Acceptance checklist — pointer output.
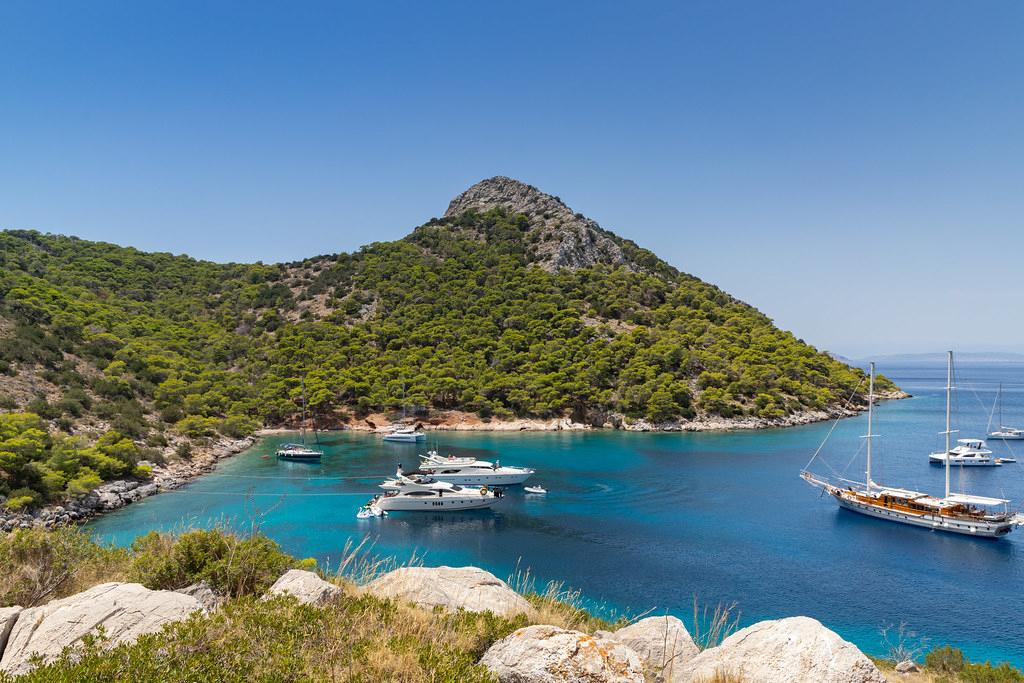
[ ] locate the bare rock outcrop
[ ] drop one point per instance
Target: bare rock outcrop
(8, 617)
(663, 645)
(306, 587)
(796, 650)
(125, 611)
(452, 588)
(564, 239)
(548, 654)
(208, 596)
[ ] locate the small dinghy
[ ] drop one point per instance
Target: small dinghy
(370, 510)
(537, 490)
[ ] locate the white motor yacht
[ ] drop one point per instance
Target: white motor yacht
(405, 435)
(436, 496)
(967, 453)
(471, 472)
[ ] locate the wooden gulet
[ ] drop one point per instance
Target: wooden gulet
(954, 512)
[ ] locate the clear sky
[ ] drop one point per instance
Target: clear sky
(853, 169)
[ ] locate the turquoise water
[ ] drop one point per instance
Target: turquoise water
(642, 521)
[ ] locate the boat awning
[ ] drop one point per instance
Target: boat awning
(964, 499)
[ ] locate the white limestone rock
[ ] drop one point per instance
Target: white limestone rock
(8, 617)
(452, 588)
(305, 586)
(548, 654)
(662, 643)
(796, 650)
(208, 596)
(124, 610)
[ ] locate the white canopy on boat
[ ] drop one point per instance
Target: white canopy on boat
(965, 499)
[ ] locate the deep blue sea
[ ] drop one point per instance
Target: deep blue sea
(645, 521)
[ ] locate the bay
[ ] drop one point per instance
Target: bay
(640, 521)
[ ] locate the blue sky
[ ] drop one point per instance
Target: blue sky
(853, 169)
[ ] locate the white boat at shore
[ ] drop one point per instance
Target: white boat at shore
(405, 434)
(437, 496)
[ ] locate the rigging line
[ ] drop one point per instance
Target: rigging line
(260, 476)
(276, 494)
(834, 424)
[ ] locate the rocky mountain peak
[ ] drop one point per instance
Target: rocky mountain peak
(568, 240)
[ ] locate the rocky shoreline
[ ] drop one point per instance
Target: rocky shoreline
(113, 495)
(459, 421)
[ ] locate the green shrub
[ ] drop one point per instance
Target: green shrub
(987, 673)
(944, 660)
(235, 566)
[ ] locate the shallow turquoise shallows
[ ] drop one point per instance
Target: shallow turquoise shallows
(642, 521)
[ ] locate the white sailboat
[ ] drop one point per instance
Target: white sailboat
(300, 452)
(1004, 433)
(954, 512)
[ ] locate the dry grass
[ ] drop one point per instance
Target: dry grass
(37, 566)
(712, 625)
(723, 676)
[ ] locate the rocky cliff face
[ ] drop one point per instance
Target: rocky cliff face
(566, 239)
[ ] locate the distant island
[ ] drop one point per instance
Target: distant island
(509, 311)
(962, 357)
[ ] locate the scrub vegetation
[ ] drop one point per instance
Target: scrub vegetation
(128, 347)
(355, 638)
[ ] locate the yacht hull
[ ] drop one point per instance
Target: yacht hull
(1007, 437)
(963, 462)
(435, 503)
(980, 528)
(405, 438)
(482, 478)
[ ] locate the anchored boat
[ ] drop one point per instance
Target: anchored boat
(954, 512)
(470, 471)
(1004, 433)
(436, 496)
(967, 453)
(299, 451)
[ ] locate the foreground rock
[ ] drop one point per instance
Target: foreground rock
(796, 650)
(453, 588)
(124, 610)
(208, 596)
(662, 643)
(8, 617)
(548, 654)
(305, 586)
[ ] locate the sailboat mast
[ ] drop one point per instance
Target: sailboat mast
(949, 395)
(302, 426)
(999, 400)
(871, 404)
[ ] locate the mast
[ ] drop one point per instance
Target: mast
(999, 400)
(302, 426)
(871, 404)
(949, 394)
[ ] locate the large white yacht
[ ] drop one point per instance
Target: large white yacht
(967, 453)
(435, 496)
(470, 471)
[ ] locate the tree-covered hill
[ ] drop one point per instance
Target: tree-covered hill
(509, 305)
